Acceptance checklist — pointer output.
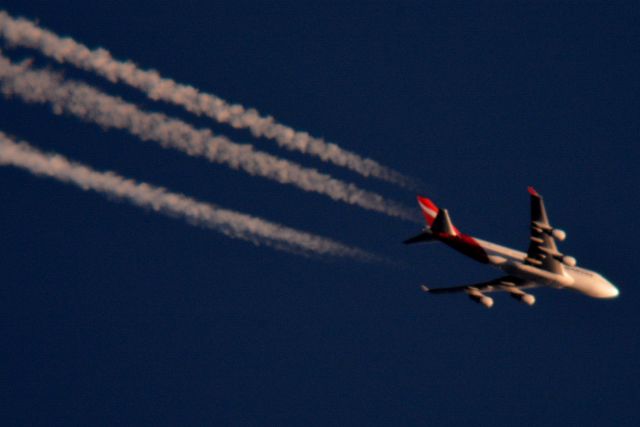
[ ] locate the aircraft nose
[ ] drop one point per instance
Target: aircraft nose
(610, 290)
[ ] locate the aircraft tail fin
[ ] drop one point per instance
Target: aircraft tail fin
(443, 225)
(437, 219)
(429, 209)
(440, 227)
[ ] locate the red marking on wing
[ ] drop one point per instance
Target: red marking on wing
(533, 191)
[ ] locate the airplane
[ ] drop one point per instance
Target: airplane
(541, 266)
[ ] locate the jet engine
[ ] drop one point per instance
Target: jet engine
(558, 234)
(565, 259)
(481, 298)
(524, 297)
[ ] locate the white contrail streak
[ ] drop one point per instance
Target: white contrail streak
(25, 33)
(89, 104)
(233, 224)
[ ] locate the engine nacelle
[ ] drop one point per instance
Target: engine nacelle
(524, 297)
(486, 301)
(528, 299)
(481, 298)
(558, 234)
(569, 260)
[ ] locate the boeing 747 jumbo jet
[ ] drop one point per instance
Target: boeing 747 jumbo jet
(541, 266)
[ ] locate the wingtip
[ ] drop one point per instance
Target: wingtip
(424, 288)
(533, 191)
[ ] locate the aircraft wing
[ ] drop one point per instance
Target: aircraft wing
(504, 284)
(543, 252)
(513, 285)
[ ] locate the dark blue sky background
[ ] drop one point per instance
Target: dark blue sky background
(113, 315)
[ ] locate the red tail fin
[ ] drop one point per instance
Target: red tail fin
(429, 209)
(441, 228)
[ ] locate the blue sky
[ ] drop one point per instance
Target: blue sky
(112, 314)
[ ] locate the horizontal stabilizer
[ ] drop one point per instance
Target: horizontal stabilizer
(425, 236)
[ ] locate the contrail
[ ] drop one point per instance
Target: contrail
(25, 33)
(230, 223)
(87, 103)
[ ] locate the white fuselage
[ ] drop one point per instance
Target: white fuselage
(575, 278)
